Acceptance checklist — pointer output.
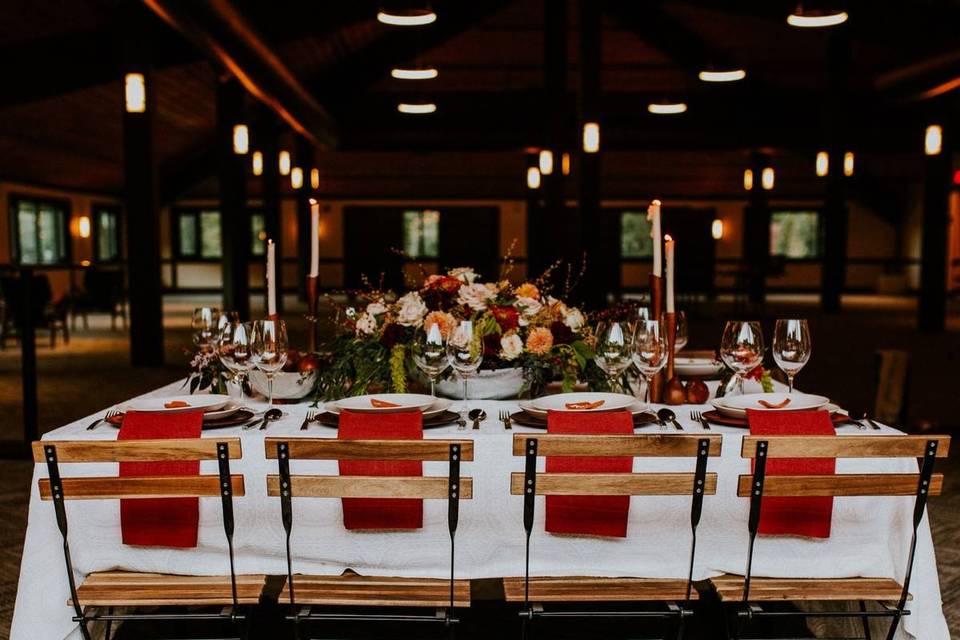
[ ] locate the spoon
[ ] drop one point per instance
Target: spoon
(666, 415)
(861, 416)
(477, 415)
(269, 416)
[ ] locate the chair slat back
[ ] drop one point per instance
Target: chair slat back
(100, 488)
(845, 446)
(435, 487)
(175, 449)
(841, 485)
(612, 484)
(642, 446)
(332, 449)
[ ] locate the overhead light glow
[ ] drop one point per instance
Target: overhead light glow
(933, 140)
(766, 178)
(748, 179)
(565, 164)
(83, 227)
(315, 178)
(296, 177)
(533, 178)
(816, 19)
(848, 163)
(823, 163)
(256, 160)
(414, 18)
(421, 107)
(283, 163)
(591, 137)
(716, 229)
(135, 93)
(667, 108)
(546, 162)
(241, 139)
(723, 76)
(414, 74)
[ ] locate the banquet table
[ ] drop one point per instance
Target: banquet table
(870, 536)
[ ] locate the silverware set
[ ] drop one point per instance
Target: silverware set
(311, 416)
(698, 417)
(112, 413)
(666, 415)
(505, 418)
(261, 421)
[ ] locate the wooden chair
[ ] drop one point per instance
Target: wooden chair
(533, 592)
(351, 590)
(745, 594)
(112, 589)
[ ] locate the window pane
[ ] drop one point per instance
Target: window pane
(108, 236)
(51, 240)
(795, 234)
(27, 232)
(210, 246)
(187, 224)
(412, 233)
(258, 235)
(421, 233)
(635, 240)
(431, 233)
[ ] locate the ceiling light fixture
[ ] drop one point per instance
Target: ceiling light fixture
(428, 73)
(565, 164)
(816, 19)
(748, 179)
(766, 178)
(667, 108)
(546, 162)
(533, 178)
(591, 137)
(723, 76)
(848, 163)
(411, 18)
(422, 107)
(823, 164)
(283, 163)
(933, 140)
(257, 162)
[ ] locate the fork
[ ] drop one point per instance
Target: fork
(506, 420)
(111, 413)
(696, 415)
(311, 416)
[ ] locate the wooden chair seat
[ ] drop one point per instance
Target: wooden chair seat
(353, 590)
(128, 589)
(597, 589)
(730, 588)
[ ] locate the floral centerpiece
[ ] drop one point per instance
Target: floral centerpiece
(515, 326)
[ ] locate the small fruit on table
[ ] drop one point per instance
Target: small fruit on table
(697, 392)
(673, 392)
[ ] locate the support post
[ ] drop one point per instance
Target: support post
(28, 357)
(305, 159)
(601, 275)
(553, 225)
(756, 236)
(234, 219)
(270, 181)
(534, 224)
(932, 308)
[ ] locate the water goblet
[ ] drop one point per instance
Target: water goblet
(791, 346)
(269, 349)
(741, 348)
(466, 354)
(429, 349)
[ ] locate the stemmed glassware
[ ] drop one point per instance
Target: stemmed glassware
(683, 333)
(466, 354)
(234, 349)
(205, 324)
(614, 351)
(643, 314)
(791, 346)
(649, 351)
(741, 348)
(430, 354)
(269, 349)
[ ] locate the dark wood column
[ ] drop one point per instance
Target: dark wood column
(142, 211)
(534, 216)
(270, 190)
(936, 220)
(303, 158)
(234, 218)
(756, 231)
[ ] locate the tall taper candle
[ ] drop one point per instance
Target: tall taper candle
(671, 268)
(653, 215)
(314, 238)
(271, 278)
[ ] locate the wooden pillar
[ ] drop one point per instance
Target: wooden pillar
(937, 176)
(234, 218)
(305, 159)
(270, 190)
(601, 275)
(756, 232)
(535, 205)
(142, 211)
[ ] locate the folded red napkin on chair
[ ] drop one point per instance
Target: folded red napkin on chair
(589, 515)
(381, 513)
(160, 522)
(809, 517)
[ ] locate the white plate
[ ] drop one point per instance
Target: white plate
(736, 406)
(697, 367)
(560, 401)
(527, 406)
(404, 402)
(230, 409)
(439, 406)
(207, 402)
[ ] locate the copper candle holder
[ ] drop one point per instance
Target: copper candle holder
(312, 286)
(656, 311)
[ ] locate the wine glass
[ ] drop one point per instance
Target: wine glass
(430, 354)
(741, 348)
(643, 314)
(649, 351)
(205, 322)
(614, 351)
(683, 333)
(269, 349)
(234, 349)
(466, 354)
(791, 346)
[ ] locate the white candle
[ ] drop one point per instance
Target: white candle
(671, 267)
(653, 215)
(271, 278)
(314, 238)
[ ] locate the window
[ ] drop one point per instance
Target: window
(198, 234)
(635, 240)
(258, 234)
(795, 234)
(421, 233)
(39, 231)
(106, 234)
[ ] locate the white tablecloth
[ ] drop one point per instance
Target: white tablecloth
(870, 536)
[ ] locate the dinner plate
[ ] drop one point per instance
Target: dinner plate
(736, 406)
(535, 421)
(697, 367)
(636, 408)
(174, 404)
(439, 406)
(436, 421)
(228, 410)
(583, 402)
(391, 402)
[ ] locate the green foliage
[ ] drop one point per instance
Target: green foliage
(352, 367)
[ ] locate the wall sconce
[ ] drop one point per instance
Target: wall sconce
(241, 139)
(591, 137)
(533, 178)
(748, 179)
(933, 140)
(716, 229)
(848, 163)
(83, 227)
(135, 93)
(257, 161)
(314, 178)
(283, 162)
(565, 164)
(766, 178)
(546, 162)
(296, 177)
(823, 163)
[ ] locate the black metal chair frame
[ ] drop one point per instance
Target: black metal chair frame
(745, 611)
(676, 612)
(304, 614)
(85, 615)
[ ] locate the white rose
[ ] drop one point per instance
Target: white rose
(412, 310)
(574, 318)
(528, 306)
(466, 275)
(475, 296)
(366, 324)
(376, 308)
(511, 346)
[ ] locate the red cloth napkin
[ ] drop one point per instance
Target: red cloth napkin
(381, 513)
(160, 522)
(589, 515)
(810, 517)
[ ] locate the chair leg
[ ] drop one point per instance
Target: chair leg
(109, 629)
(865, 621)
(525, 630)
(893, 626)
